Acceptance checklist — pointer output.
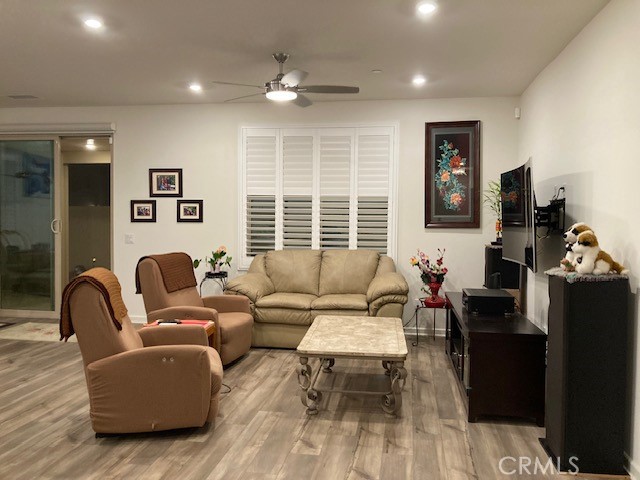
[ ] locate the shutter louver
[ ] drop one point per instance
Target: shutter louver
(260, 161)
(374, 153)
(297, 213)
(335, 191)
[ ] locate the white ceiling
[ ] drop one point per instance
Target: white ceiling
(149, 50)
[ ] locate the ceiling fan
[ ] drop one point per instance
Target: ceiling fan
(286, 87)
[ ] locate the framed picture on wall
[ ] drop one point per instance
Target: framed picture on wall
(165, 182)
(452, 174)
(143, 211)
(190, 210)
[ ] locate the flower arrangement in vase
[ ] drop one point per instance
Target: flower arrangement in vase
(432, 273)
(493, 199)
(217, 259)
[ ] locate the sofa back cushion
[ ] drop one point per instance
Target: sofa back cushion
(294, 271)
(347, 271)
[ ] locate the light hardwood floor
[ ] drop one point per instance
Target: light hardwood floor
(262, 431)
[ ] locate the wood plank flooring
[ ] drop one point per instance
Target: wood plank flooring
(262, 431)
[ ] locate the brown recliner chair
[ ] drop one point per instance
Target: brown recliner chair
(231, 313)
(159, 378)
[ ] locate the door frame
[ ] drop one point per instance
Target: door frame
(64, 272)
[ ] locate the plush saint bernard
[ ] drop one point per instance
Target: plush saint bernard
(591, 259)
(571, 237)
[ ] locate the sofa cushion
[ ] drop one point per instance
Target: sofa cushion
(347, 271)
(284, 316)
(294, 301)
(294, 271)
(345, 301)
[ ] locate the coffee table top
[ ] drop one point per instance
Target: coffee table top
(354, 337)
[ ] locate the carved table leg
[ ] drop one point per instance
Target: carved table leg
(310, 397)
(304, 378)
(386, 364)
(327, 363)
(392, 401)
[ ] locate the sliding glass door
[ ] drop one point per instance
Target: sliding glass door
(28, 226)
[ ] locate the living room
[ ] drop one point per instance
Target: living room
(575, 111)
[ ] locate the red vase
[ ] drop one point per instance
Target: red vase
(434, 288)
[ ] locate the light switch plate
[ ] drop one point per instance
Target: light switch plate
(129, 238)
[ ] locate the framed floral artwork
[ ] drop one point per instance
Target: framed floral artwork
(190, 210)
(165, 182)
(452, 174)
(143, 211)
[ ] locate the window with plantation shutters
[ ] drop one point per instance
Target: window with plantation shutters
(317, 187)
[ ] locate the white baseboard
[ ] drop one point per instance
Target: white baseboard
(423, 331)
(632, 467)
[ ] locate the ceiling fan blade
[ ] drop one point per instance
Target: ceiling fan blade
(302, 101)
(294, 77)
(328, 89)
(238, 84)
(244, 96)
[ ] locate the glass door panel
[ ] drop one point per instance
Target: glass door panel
(27, 225)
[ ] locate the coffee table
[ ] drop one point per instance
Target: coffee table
(364, 338)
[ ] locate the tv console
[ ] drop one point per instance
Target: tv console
(499, 362)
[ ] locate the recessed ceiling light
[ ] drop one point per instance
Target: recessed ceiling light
(195, 87)
(418, 80)
(93, 23)
(376, 71)
(426, 8)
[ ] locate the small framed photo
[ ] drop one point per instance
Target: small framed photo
(165, 182)
(190, 210)
(143, 211)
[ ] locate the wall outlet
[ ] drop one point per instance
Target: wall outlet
(129, 238)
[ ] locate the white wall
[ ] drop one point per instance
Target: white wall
(580, 124)
(203, 140)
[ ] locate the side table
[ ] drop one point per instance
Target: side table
(219, 277)
(209, 327)
(435, 304)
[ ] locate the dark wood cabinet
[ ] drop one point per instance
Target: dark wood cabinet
(587, 372)
(499, 362)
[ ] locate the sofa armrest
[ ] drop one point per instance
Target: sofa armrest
(251, 285)
(149, 389)
(173, 335)
(196, 313)
(228, 303)
(390, 283)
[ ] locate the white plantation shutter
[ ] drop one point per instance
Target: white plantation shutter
(374, 162)
(260, 157)
(336, 154)
(317, 188)
(297, 190)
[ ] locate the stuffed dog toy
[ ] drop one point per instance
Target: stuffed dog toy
(571, 237)
(591, 259)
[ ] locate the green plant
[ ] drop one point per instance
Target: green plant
(492, 198)
(216, 258)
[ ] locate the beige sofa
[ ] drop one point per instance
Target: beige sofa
(289, 288)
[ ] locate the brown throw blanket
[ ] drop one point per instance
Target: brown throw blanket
(176, 269)
(108, 286)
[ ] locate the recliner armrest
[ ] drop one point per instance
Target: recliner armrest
(390, 283)
(173, 335)
(227, 303)
(251, 285)
(150, 389)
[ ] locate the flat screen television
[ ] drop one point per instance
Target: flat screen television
(518, 216)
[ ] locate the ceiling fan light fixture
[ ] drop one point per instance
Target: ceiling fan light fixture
(281, 95)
